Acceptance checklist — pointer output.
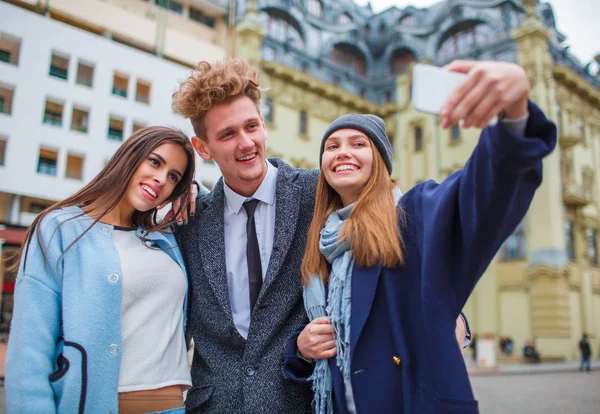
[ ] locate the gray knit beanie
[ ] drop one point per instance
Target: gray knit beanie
(371, 125)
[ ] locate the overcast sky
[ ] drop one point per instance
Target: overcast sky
(579, 20)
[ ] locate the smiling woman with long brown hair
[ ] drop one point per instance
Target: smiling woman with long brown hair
(101, 291)
(385, 275)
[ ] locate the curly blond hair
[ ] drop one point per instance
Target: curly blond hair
(215, 83)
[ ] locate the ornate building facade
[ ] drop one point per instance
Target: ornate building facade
(322, 58)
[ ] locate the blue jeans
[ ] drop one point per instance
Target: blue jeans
(585, 361)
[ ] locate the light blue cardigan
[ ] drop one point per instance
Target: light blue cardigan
(64, 350)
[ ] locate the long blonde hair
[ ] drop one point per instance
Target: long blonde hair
(374, 222)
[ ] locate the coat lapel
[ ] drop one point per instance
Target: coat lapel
(210, 233)
(364, 287)
(287, 207)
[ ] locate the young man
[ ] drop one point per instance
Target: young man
(243, 258)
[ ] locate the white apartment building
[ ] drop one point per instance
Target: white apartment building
(68, 98)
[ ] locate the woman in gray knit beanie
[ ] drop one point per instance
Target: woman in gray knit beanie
(386, 276)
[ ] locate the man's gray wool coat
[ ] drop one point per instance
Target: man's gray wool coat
(231, 374)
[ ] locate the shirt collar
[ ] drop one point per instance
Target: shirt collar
(265, 192)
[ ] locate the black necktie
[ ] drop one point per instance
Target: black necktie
(253, 254)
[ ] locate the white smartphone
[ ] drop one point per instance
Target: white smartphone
(432, 86)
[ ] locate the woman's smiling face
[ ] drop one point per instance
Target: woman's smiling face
(347, 163)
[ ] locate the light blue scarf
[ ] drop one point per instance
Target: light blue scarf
(338, 253)
(338, 305)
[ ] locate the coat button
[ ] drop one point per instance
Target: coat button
(113, 349)
(397, 360)
(113, 278)
(250, 371)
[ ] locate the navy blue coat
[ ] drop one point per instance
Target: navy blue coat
(403, 350)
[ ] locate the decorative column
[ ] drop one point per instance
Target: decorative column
(248, 36)
(548, 271)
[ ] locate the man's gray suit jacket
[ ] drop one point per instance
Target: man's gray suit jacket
(231, 374)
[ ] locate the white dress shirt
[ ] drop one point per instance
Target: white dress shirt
(236, 240)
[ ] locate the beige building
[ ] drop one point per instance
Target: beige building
(545, 281)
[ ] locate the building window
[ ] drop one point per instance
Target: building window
(74, 167)
(315, 7)
(462, 41)
(408, 20)
(268, 110)
(47, 161)
(85, 74)
(283, 28)
(363, 93)
(172, 5)
(268, 54)
(455, 133)
(137, 126)
(570, 239)
(345, 18)
(200, 17)
(79, 120)
(59, 66)
(350, 58)
(514, 247)
(2, 150)
(10, 47)
(6, 98)
(142, 91)
(401, 59)
(53, 113)
(115, 129)
(382, 29)
(418, 139)
(120, 84)
(592, 247)
(387, 97)
(303, 123)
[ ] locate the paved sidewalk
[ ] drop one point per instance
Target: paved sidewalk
(540, 368)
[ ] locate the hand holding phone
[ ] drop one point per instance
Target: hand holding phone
(432, 86)
(472, 92)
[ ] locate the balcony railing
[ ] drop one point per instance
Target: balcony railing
(575, 195)
(570, 136)
(79, 127)
(53, 118)
(142, 99)
(58, 72)
(47, 168)
(84, 81)
(115, 134)
(119, 92)
(5, 56)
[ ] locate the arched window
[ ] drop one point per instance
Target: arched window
(408, 20)
(464, 39)
(350, 57)
(345, 18)
(400, 61)
(514, 247)
(283, 28)
(315, 7)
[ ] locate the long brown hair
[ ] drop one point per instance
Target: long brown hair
(112, 181)
(374, 221)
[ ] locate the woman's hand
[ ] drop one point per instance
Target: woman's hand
(183, 217)
(316, 340)
(490, 88)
